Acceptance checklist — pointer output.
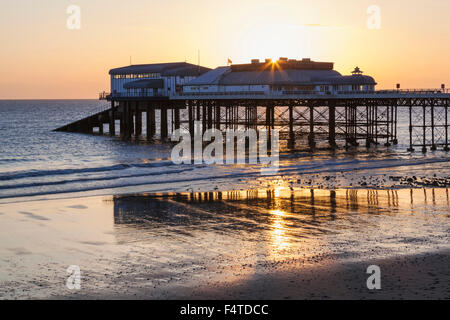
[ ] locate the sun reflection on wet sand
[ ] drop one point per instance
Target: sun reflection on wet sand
(279, 238)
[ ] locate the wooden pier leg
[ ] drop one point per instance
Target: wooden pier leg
(269, 126)
(210, 115)
(204, 116)
(433, 142)
(130, 121)
(395, 123)
(150, 119)
(372, 123)
(88, 127)
(355, 125)
(255, 117)
(176, 111)
(217, 116)
(368, 143)
(233, 117)
(112, 120)
(246, 116)
(172, 118)
(273, 116)
(191, 119)
(100, 125)
(424, 146)
(138, 121)
(291, 142)
(332, 124)
(198, 116)
(376, 124)
(388, 134)
(127, 121)
(446, 148)
(311, 137)
(410, 149)
(122, 120)
(392, 121)
(346, 126)
(164, 127)
(236, 117)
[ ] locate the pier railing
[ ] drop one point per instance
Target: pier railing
(310, 93)
(242, 93)
(106, 95)
(416, 91)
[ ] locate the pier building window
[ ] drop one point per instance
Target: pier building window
(137, 76)
(304, 88)
(276, 88)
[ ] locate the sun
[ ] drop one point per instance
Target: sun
(270, 40)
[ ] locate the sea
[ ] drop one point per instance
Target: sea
(37, 163)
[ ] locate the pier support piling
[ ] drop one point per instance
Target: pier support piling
(191, 119)
(164, 124)
(138, 121)
(112, 120)
(446, 148)
(332, 125)
(306, 122)
(311, 136)
(176, 118)
(150, 121)
(410, 149)
(291, 142)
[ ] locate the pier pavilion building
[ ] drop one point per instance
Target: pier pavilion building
(158, 81)
(281, 77)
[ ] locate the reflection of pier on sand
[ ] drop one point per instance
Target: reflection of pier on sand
(279, 217)
(259, 205)
(237, 238)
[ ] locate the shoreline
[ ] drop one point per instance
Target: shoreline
(323, 182)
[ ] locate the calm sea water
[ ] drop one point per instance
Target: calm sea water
(34, 161)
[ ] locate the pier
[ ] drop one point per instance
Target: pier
(327, 121)
(310, 104)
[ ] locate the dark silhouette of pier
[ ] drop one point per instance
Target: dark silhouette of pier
(347, 119)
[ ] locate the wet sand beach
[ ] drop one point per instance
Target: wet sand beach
(272, 243)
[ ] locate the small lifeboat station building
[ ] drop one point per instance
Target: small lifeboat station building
(152, 81)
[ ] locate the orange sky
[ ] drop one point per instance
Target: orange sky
(41, 58)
